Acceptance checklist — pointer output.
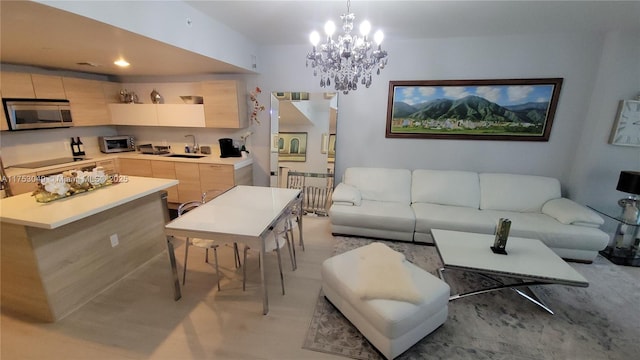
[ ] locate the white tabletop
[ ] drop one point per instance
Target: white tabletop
(25, 210)
(242, 212)
(527, 258)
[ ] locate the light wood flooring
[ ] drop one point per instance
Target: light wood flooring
(138, 319)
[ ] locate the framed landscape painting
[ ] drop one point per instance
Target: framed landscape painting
(509, 109)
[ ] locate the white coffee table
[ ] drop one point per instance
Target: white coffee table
(528, 262)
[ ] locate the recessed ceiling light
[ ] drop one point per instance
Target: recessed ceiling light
(121, 63)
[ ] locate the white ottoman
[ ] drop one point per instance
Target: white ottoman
(391, 326)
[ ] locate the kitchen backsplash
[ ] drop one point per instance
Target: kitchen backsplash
(34, 145)
(18, 147)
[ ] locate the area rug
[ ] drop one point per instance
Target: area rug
(601, 321)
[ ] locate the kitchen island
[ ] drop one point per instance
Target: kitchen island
(57, 256)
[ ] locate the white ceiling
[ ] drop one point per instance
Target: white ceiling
(290, 22)
(40, 35)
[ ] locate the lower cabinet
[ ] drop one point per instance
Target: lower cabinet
(189, 181)
(215, 179)
(108, 166)
(25, 183)
(135, 167)
(166, 170)
(194, 178)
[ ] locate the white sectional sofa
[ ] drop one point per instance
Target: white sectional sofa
(399, 204)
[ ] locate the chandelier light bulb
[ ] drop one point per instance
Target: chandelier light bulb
(314, 38)
(329, 28)
(378, 37)
(365, 27)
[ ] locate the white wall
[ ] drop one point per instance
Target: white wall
(597, 164)
(589, 63)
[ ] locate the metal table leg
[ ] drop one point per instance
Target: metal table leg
(531, 296)
(300, 216)
(265, 296)
(177, 294)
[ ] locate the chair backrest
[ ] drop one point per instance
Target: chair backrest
(188, 206)
(295, 180)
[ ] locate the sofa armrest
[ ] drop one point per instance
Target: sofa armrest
(568, 212)
(345, 194)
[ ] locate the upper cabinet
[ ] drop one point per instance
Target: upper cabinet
(48, 87)
(88, 101)
(17, 85)
(225, 104)
(97, 103)
(179, 115)
(31, 86)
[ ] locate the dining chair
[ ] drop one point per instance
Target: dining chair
(202, 243)
(273, 243)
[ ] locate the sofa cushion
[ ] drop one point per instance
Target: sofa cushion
(457, 188)
(374, 215)
(551, 232)
(346, 194)
(459, 218)
(522, 193)
(569, 212)
(393, 185)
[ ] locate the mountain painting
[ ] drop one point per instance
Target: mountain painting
(514, 109)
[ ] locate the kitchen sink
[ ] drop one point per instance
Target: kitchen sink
(186, 156)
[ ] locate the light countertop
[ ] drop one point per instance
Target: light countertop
(25, 210)
(236, 162)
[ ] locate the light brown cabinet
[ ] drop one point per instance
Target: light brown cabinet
(166, 170)
(88, 102)
(194, 178)
(48, 87)
(32, 86)
(135, 167)
(25, 183)
(189, 181)
(225, 104)
(108, 166)
(16, 85)
(215, 179)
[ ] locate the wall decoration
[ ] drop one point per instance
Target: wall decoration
(324, 143)
(282, 95)
(332, 148)
(292, 146)
(299, 96)
(509, 109)
(626, 127)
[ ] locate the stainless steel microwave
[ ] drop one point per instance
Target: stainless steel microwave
(115, 144)
(29, 114)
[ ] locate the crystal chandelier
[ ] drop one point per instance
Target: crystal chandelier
(349, 59)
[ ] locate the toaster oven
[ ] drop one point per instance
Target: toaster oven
(115, 144)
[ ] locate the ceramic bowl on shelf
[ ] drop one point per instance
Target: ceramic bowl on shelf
(192, 99)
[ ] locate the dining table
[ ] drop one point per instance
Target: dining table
(242, 214)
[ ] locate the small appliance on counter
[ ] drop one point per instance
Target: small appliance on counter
(115, 144)
(154, 150)
(227, 149)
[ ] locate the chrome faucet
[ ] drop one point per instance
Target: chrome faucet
(194, 149)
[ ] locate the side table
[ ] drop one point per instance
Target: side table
(625, 249)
